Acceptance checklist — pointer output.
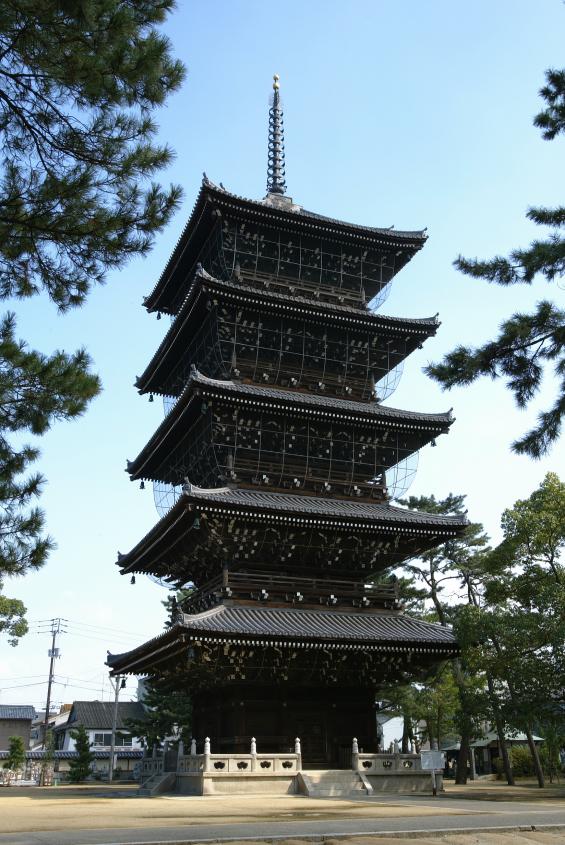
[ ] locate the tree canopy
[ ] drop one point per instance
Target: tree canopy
(528, 344)
(79, 82)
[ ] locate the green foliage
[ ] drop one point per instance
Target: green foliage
(527, 344)
(35, 391)
(16, 759)
(450, 565)
(78, 84)
(517, 632)
(168, 713)
(521, 759)
(79, 768)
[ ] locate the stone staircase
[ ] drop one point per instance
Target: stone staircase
(158, 783)
(333, 783)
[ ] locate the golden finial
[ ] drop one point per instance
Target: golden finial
(276, 82)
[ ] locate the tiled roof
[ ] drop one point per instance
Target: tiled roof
(99, 714)
(304, 309)
(293, 216)
(293, 623)
(326, 309)
(122, 754)
(316, 401)
(17, 711)
(302, 628)
(343, 411)
(284, 508)
(299, 212)
(314, 505)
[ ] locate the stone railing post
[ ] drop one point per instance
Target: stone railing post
(396, 754)
(253, 754)
(207, 754)
(355, 754)
(193, 748)
(180, 754)
(298, 752)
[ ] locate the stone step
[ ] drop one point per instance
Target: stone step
(332, 782)
(156, 784)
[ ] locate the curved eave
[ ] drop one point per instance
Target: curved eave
(290, 628)
(348, 412)
(339, 316)
(282, 508)
(295, 219)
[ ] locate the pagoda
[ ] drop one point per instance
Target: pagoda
(274, 470)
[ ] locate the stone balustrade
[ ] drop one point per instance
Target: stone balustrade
(152, 766)
(239, 764)
(242, 764)
(383, 763)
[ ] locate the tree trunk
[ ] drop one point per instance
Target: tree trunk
(533, 748)
(463, 756)
(535, 757)
(500, 733)
(405, 746)
(472, 766)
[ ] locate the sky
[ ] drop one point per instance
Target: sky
(396, 112)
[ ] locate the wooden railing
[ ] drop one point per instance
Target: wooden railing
(290, 588)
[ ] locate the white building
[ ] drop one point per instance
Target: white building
(96, 717)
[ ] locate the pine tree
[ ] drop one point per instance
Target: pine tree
(79, 768)
(442, 571)
(78, 84)
(168, 713)
(528, 343)
(16, 758)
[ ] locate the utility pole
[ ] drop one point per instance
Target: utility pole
(53, 653)
(118, 684)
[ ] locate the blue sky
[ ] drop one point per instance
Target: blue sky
(406, 113)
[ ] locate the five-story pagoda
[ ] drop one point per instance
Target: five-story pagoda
(274, 469)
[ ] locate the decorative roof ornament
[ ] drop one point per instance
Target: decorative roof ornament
(275, 169)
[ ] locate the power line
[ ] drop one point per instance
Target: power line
(105, 640)
(103, 627)
(21, 677)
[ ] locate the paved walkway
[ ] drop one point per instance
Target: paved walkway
(91, 816)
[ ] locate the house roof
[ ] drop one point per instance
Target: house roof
(509, 736)
(99, 754)
(95, 715)
(16, 712)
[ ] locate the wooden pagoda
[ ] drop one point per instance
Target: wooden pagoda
(274, 469)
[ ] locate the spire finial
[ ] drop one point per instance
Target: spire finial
(275, 169)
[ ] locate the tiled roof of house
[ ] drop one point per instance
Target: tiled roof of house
(99, 754)
(99, 714)
(17, 711)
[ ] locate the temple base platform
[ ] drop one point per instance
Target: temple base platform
(283, 774)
